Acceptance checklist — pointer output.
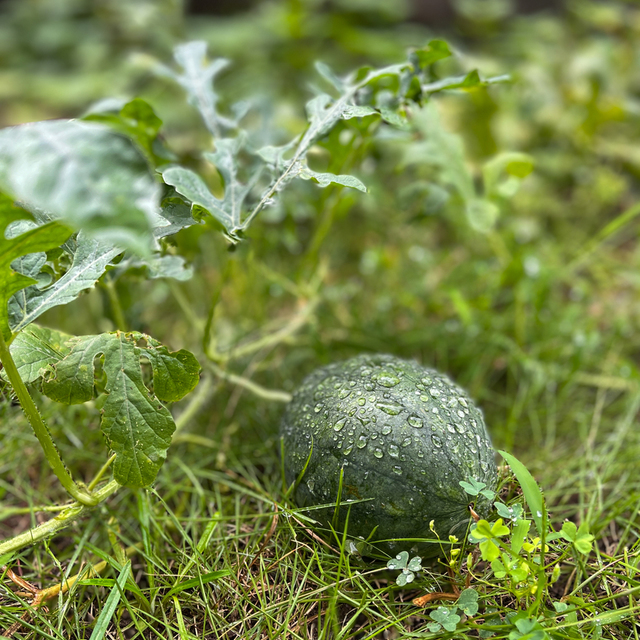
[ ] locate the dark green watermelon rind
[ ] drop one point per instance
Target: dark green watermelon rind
(360, 420)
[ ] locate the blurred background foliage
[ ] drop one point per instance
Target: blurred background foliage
(529, 299)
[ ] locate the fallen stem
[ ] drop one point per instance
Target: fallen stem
(64, 519)
(196, 402)
(296, 323)
(42, 595)
(262, 392)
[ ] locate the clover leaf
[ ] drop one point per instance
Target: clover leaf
(485, 534)
(408, 567)
(445, 618)
(468, 602)
(580, 537)
(474, 487)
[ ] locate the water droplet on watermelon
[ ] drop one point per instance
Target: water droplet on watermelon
(389, 408)
(340, 424)
(387, 379)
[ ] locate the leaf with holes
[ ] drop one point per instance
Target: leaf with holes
(137, 427)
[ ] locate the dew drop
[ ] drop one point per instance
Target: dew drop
(415, 422)
(393, 451)
(348, 449)
(389, 408)
(361, 443)
(386, 430)
(362, 402)
(397, 469)
(387, 379)
(338, 426)
(437, 442)
(406, 442)
(319, 407)
(344, 393)
(377, 452)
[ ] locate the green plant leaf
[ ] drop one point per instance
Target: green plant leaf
(399, 562)
(499, 570)
(447, 617)
(196, 78)
(90, 260)
(35, 348)
(580, 537)
(228, 210)
(325, 179)
(518, 534)
(530, 489)
(137, 120)
(472, 487)
(468, 602)
(32, 241)
(137, 427)
(405, 578)
(513, 512)
(59, 166)
(415, 564)
(434, 51)
(157, 266)
(469, 81)
(489, 550)
(484, 530)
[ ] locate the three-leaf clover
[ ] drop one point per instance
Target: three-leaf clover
(486, 534)
(580, 537)
(408, 567)
(445, 618)
(468, 602)
(514, 512)
(474, 487)
(528, 629)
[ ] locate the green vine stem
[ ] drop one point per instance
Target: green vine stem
(40, 428)
(64, 519)
(69, 513)
(273, 395)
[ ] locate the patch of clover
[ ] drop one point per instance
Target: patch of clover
(408, 568)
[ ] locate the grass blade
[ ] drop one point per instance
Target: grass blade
(112, 602)
(530, 488)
